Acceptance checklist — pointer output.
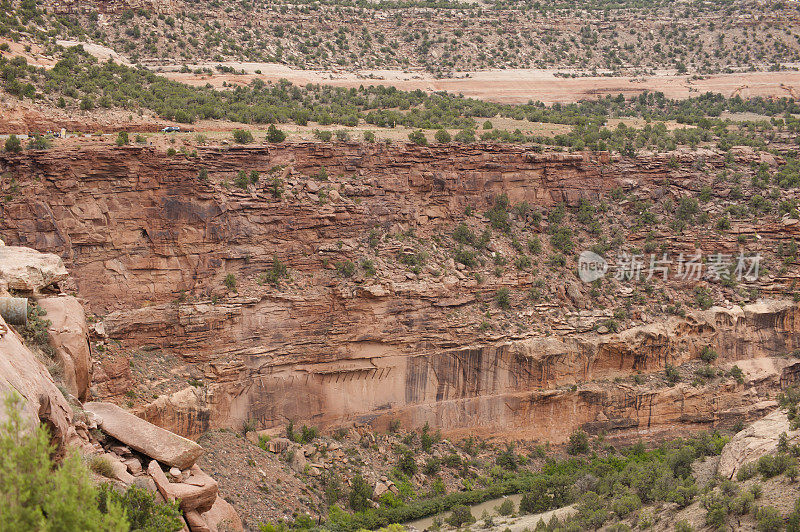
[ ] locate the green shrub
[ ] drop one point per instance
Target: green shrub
(708, 354)
(418, 137)
(671, 374)
(742, 504)
(442, 136)
(466, 257)
(308, 434)
(523, 262)
(461, 515)
(768, 519)
(144, 513)
(122, 138)
(687, 209)
(274, 134)
(38, 494)
(702, 297)
(360, 494)
(773, 465)
(242, 180)
(13, 144)
(498, 214)
(345, 268)
(202, 175)
(465, 136)
(324, 136)
(101, 465)
(274, 273)
(407, 464)
(625, 504)
(39, 142)
(716, 508)
(426, 439)
(507, 459)
(230, 282)
(534, 501)
(503, 298)
(464, 235)
(432, 466)
(506, 507)
(561, 239)
(242, 136)
(578, 443)
(747, 471)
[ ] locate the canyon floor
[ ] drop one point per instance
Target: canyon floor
(513, 267)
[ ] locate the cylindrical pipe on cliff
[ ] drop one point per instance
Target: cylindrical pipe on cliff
(14, 310)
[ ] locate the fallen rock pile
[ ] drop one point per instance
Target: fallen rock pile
(171, 473)
(137, 452)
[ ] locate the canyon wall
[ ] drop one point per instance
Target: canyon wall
(150, 245)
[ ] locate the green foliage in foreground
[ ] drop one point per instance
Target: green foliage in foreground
(614, 484)
(39, 495)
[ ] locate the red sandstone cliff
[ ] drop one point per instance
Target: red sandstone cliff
(149, 245)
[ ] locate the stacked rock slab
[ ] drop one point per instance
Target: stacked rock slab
(196, 491)
(155, 442)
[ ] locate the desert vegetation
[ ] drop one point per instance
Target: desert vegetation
(439, 36)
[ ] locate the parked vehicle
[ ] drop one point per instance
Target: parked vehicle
(170, 129)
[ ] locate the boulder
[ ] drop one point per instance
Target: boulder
(299, 460)
(222, 517)
(69, 336)
(380, 489)
(28, 270)
(753, 442)
(196, 522)
(184, 412)
(146, 483)
(278, 445)
(120, 469)
(145, 437)
(197, 493)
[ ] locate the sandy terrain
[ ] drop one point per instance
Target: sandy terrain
(504, 86)
(515, 86)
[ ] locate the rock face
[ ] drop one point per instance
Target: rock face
(28, 270)
(222, 517)
(23, 374)
(149, 246)
(145, 437)
(69, 337)
(755, 441)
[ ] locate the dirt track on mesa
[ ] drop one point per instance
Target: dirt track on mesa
(519, 86)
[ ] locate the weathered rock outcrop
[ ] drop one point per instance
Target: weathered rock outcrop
(22, 373)
(755, 441)
(28, 270)
(69, 338)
